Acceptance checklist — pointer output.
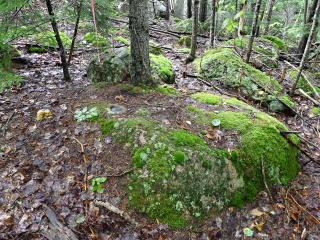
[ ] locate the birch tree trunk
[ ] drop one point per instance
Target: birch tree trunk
(139, 36)
(307, 48)
(241, 19)
(270, 9)
(66, 74)
(253, 30)
(212, 22)
(192, 54)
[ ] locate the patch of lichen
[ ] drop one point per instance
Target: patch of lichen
(163, 67)
(260, 141)
(222, 63)
(96, 39)
(166, 89)
(48, 38)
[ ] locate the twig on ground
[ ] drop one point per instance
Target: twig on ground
(85, 163)
(116, 210)
(121, 174)
(4, 128)
(265, 181)
(307, 96)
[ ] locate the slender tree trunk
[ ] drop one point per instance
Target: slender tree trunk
(270, 9)
(253, 30)
(306, 3)
(241, 19)
(236, 8)
(189, 8)
(79, 8)
(192, 54)
(167, 15)
(261, 18)
(203, 11)
(304, 38)
(139, 36)
(212, 22)
(66, 74)
(307, 47)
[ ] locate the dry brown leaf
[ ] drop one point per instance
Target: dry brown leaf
(209, 136)
(256, 212)
(120, 98)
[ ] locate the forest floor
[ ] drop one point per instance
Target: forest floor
(42, 192)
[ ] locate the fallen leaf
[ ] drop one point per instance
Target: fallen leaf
(259, 226)
(256, 212)
(209, 136)
(248, 232)
(120, 98)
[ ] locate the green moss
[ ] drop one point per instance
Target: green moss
(222, 63)
(203, 132)
(276, 41)
(48, 39)
(166, 89)
(96, 39)
(286, 99)
(179, 157)
(37, 49)
(315, 110)
(183, 138)
(237, 200)
(131, 89)
(207, 98)
(122, 40)
(192, 108)
(107, 126)
(183, 50)
(185, 40)
(163, 67)
(186, 26)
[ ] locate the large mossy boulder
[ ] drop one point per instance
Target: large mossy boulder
(222, 64)
(180, 177)
(114, 67)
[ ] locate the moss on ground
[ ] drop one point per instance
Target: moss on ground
(166, 89)
(96, 39)
(281, 45)
(315, 110)
(222, 63)
(48, 38)
(122, 40)
(8, 78)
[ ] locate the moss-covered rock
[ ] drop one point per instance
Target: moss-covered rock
(48, 38)
(223, 64)
(96, 39)
(114, 67)
(185, 41)
(179, 178)
(161, 68)
(281, 45)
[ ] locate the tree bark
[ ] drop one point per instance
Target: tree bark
(203, 11)
(75, 33)
(270, 9)
(305, 13)
(189, 8)
(304, 38)
(192, 54)
(167, 15)
(260, 20)
(139, 36)
(241, 19)
(253, 30)
(66, 74)
(307, 47)
(212, 22)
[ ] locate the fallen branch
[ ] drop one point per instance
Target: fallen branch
(116, 210)
(265, 181)
(307, 96)
(85, 163)
(305, 78)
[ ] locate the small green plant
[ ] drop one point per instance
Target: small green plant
(97, 184)
(85, 114)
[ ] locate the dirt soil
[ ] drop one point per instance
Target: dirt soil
(43, 194)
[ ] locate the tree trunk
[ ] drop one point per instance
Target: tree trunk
(261, 18)
(66, 74)
(270, 9)
(253, 30)
(139, 36)
(241, 19)
(192, 54)
(307, 47)
(212, 22)
(304, 38)
(167, 15)
(78, 8)
(189, 8)
(203, 11)
(305, 13)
